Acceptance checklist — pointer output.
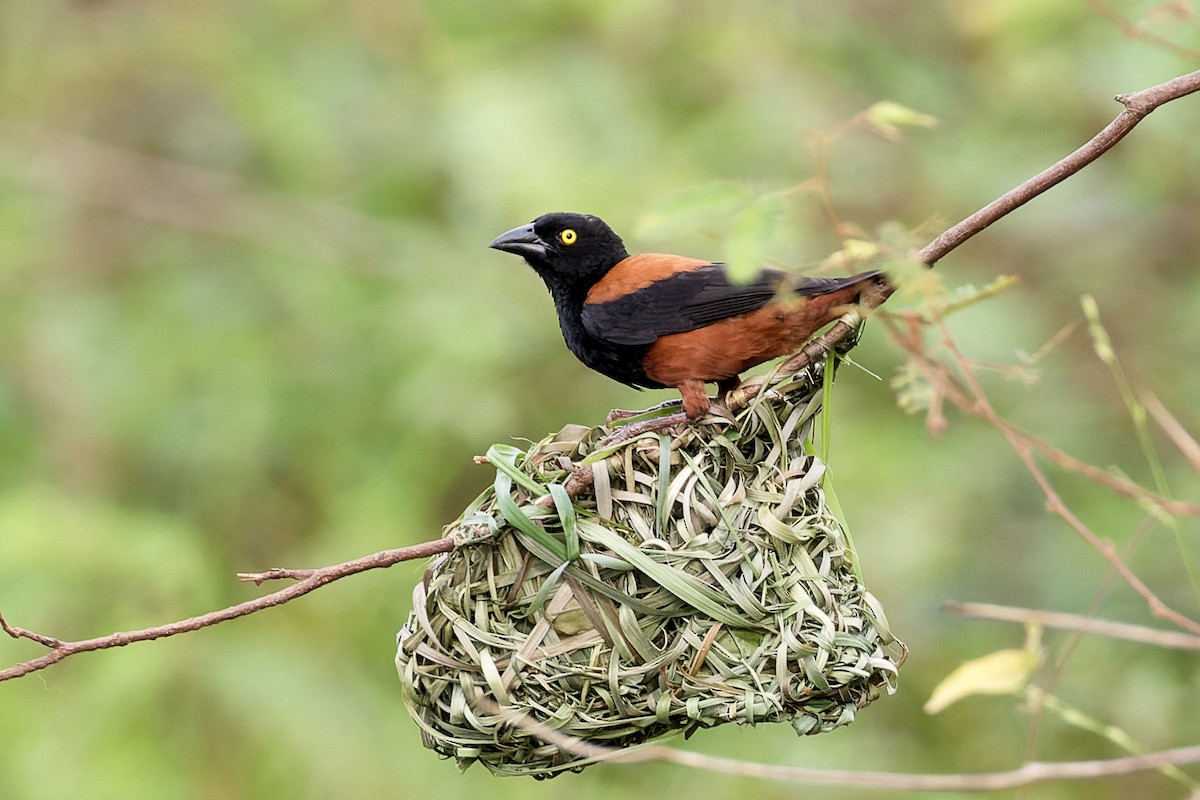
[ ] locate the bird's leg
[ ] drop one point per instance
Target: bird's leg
(695, 406)
(695, 398)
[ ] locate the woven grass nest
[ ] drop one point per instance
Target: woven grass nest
(700, 579)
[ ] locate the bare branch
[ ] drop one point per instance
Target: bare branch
(314, 579)
(1134, 31)
(1077, 622)
(1031, 772)
(1137, 106)
(1116, 483)
(1178, 435)
(975, 402)
(951, 389)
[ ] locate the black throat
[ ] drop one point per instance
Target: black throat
(620, 362)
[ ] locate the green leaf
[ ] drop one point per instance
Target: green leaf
(664, 482)
(504, 458)
(855, 250)
(754, 232)
(687, 588)
(708, 206)
(566, 514)
(515, 516)
(1101, 343)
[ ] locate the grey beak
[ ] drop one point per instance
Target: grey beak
(522, 241)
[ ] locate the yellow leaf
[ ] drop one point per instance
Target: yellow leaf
(887, 118)
(1001, 672)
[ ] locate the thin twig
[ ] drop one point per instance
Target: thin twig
(1077, 622)
(1029, 773)
(973, 400)
(1036, 701)
(950, 389)
(979, 404)
(1137, 106)
(1132, 30)
(1115, 483)
(1188, 447)
(314, 579)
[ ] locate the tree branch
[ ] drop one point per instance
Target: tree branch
(1029, 773)
(312, 579)
(972, 400)
(1137, 106)
(1132, 30)
(1077, 622)
(976, 405)
(1054, 501)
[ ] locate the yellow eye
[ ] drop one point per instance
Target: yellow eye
(568, 236)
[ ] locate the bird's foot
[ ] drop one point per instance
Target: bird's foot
(636, 429)
(618, 414)
(716, 413)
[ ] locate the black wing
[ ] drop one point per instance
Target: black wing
(689, 300)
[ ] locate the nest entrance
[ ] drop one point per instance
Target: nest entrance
(699, 580)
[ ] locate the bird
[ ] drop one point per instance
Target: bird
(655, 320)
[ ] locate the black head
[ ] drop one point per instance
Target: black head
(565, 249)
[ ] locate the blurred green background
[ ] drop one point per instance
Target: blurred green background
(248, 319)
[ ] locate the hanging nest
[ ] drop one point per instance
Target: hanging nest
(685, 583)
